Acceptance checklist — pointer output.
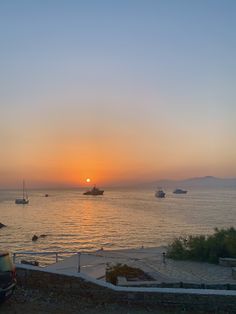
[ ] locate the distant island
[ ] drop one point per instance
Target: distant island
(195, 182)
(207, 181)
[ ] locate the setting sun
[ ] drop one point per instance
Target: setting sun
(88, 180)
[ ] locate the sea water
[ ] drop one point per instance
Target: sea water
(121, 218)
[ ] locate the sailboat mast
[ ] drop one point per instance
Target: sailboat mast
(23, 189)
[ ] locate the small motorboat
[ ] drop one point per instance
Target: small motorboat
(160, 194)
(180, 191)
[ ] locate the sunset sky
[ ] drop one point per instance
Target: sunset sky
(116, 91)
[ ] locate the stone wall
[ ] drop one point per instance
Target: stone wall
(79, 285)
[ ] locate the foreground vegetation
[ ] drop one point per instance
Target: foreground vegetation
(131, 273)
(205, 248)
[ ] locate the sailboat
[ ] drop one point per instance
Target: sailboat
(24, 199)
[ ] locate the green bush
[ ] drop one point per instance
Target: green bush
(112, 272)
(205, 248)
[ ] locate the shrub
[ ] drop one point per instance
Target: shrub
(205, 248)
(112, 272)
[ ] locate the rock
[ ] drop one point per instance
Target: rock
(33, 263)
(35, 238)
(2, 225)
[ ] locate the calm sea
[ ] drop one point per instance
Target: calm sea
(119, 219)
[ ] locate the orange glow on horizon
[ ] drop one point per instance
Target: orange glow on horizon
(116, 159)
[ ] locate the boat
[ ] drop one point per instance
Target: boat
(160, 194)
(94, 191)
(24, 200)
(180, 191)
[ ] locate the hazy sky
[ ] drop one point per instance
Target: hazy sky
(116, 90)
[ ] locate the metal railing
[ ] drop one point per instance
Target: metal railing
(55, 253)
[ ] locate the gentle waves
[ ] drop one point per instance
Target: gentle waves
(118, 219)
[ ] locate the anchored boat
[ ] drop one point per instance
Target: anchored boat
(160, 194)
(94, 191)
(24, 200)
(180, 191)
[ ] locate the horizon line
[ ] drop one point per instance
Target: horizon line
(59, 186)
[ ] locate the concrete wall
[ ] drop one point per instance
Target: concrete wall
(80, 285)
(122, 281)
(227, 262)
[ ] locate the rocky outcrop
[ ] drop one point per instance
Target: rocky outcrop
(2, 225)
(35, 238)
(33, 263)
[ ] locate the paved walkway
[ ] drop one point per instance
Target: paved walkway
(151, 261)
